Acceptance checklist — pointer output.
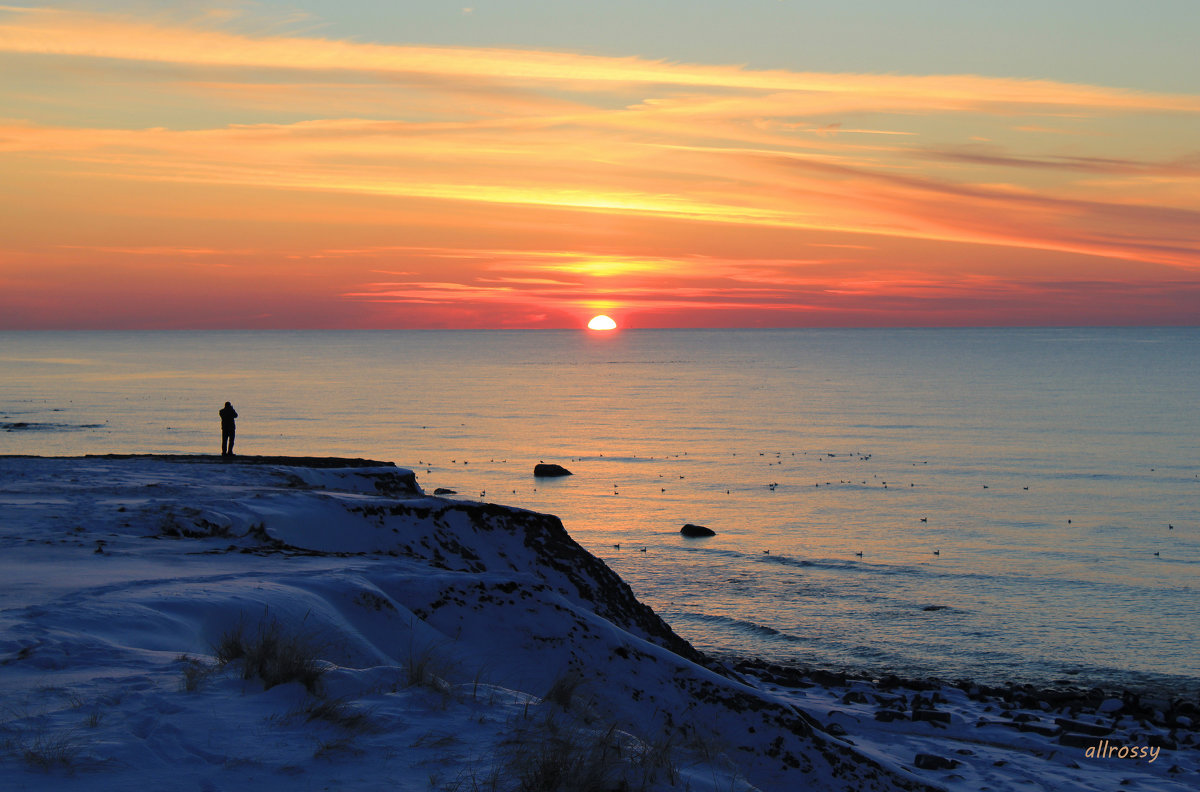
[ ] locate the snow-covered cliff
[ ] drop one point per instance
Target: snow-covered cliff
(190, 623)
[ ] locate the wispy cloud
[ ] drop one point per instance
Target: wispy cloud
(204, 42)
(526, 179)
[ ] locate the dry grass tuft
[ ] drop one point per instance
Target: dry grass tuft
(272, 654)
(338, 712)
(46, 751)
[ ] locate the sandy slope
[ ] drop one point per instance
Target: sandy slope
(457, 646)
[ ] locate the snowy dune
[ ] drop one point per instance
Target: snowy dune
(426, 643)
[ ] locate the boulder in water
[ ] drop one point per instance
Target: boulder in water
(549, 470)
(693, 530)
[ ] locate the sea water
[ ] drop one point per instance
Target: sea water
(995, 504)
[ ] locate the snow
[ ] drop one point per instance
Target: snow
(459, 646)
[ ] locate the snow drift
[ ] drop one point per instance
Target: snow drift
(124, 574)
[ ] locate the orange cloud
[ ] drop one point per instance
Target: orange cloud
(524, 183)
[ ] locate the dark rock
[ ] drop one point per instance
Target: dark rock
(691, 529)
(444, 491)
(398, 484)
(934, 762)
(1158, 741)
(887, 716)
(1077, 740)
(932, 608)
(827, 678)
(1079, 727)
(931, 716)
(549, 470)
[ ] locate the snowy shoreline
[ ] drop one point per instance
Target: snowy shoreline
(455, 638)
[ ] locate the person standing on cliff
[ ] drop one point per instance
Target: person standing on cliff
(228, 428)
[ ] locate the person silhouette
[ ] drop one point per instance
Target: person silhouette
(228, 428)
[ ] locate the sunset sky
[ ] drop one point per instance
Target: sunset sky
(531, 163)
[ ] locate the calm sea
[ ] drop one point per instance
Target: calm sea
(1011, 492)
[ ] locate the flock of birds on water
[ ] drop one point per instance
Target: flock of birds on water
(771, 487)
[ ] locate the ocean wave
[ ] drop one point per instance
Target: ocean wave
(782, 560)
(713, 551)
(866, 570)
(1184, 561)
(37, 426)
(833, 564)
(760, 630)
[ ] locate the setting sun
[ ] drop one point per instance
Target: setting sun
(602, 322)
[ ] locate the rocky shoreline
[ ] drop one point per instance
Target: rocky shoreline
(1153, 707)
(1092, 722)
